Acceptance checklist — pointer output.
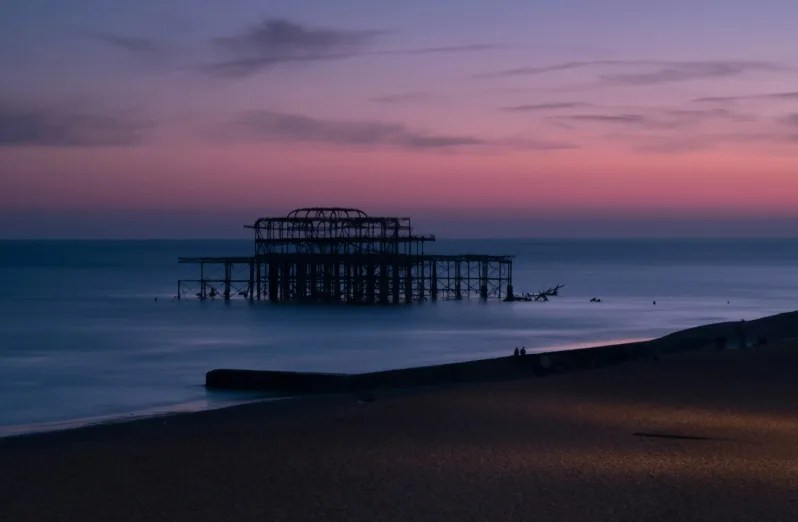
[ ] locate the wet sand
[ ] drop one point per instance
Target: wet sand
(558, 448)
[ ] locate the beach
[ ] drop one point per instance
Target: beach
(695, 435)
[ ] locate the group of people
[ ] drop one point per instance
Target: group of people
(522, 352)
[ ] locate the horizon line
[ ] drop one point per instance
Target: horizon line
(513, 238)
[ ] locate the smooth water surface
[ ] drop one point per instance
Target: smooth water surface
(83, 336)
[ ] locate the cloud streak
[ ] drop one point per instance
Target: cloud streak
(131, 44)
(533, 71)
(665, 71)
(791, 120)
(625, 119)
(405, 98)
(280, 126)
(275, 41)
(448, 49)
(679, 131)
(687, 71)
(683, 145)
(789, 95)
(538, 107)
(656, 119)
(59, 126)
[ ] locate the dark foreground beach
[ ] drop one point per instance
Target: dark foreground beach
(602, 444)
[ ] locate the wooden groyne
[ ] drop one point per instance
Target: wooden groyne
(485, 370)
(719, 335)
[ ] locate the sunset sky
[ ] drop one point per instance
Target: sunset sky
(518, 118)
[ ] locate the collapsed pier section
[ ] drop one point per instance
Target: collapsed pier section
(341, 255)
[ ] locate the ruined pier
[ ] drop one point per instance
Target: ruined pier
(342, 255)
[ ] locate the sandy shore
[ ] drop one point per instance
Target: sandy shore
(556, 448)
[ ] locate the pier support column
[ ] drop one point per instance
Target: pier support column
(327, 278)
(251, 289)
(301, 281)
(285, 282)
(468, 279)
(483, 282)
(335, 266)
(347, 282)
(258, 281)
(357, 282)
(510, 279)
(370, 282)
(396, 281)
(433, 286)
(457, 280)
(314, 289)
(202, 281)
(273, 283)
(421, 290)
(228, 274)
(384, 284)
(408, 283)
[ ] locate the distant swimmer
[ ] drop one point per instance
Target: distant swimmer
(655, 303)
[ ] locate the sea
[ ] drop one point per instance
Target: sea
(90, 331)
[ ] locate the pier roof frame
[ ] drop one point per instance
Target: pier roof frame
(339, 230)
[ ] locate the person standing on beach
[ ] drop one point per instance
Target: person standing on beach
(515, 353)
(742, 336)
(523, 350)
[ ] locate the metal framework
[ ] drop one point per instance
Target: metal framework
(342, 255)
(336, 231)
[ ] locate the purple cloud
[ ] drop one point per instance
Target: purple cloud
(789, 95)
(273, 41)
(536, 107)
(666, 72)
(63, 126)
(405, 97)
(280, 126)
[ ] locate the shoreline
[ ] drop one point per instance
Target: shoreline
(23, 430)
(19, 430)
(779, 327)
(699, 434)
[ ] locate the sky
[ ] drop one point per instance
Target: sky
(506, 118)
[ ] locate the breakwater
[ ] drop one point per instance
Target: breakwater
(720, 335)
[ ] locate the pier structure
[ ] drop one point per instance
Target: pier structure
(342, 255)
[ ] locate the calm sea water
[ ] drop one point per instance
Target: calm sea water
(82, 336)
